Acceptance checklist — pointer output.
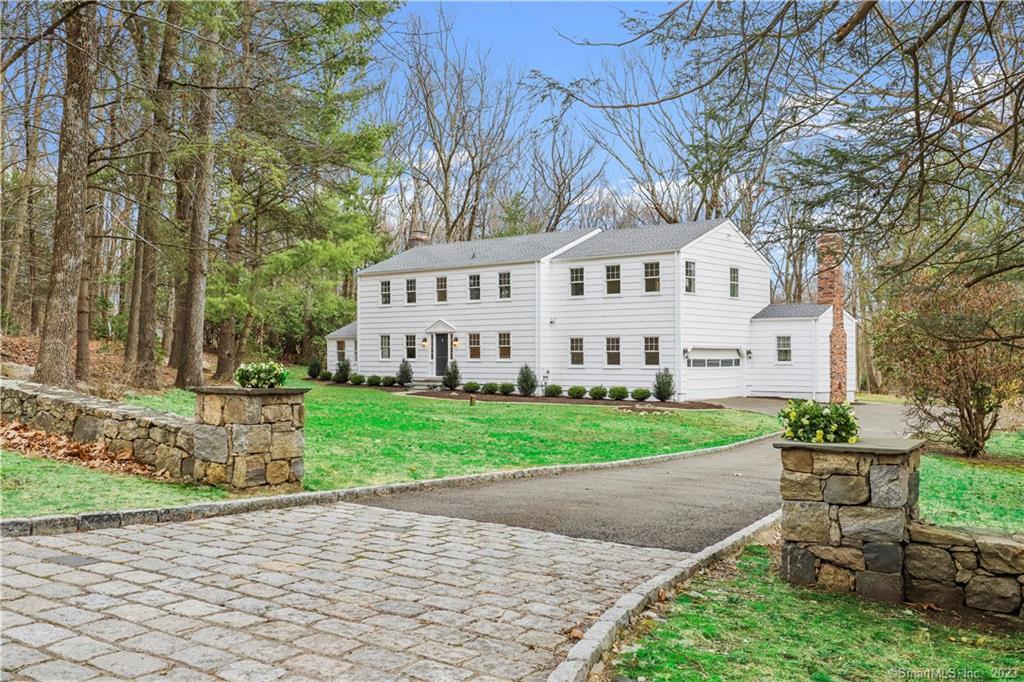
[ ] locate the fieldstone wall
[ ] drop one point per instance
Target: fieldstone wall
(850, 523)
(265, 437)
(204, 453)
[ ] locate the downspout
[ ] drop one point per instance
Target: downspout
(814, 362)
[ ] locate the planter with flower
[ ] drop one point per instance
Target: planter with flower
(808, 421)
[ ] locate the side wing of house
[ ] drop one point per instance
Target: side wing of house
(725, 282)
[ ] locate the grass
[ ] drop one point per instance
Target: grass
(32, 486)
(361, 436)
(884, 398)
(961, 492)
(1006, 444)
(750, 625)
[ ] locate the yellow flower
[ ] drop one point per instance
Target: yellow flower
(853, 439)
(819, 433)
(818, 439)
(789, 433)
(792, 414)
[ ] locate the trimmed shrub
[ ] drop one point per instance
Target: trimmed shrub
(471, 387)
(344, 371)
(618, 392)
(373, 380)
(506, 388)
(326, 375)
(812, 422)
(526, 382)
(598, 392)
(357, 379)
(313, 370)
(404, 375)
(640, 394)
(387, 381)
(552, 390)
(490, 388)
(577, 392)
(261, 374)
(664, 385)
(452, 377)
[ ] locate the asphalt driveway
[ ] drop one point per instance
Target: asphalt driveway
(685, 504)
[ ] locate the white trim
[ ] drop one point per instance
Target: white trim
(563, 249)
(439, 326)
(677, 322)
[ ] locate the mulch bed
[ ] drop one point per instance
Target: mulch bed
(630, 405)
(389, 389)
(18, 437)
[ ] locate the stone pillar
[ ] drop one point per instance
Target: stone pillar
(846, 512)
(250, 438)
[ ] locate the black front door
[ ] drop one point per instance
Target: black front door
(440, 354)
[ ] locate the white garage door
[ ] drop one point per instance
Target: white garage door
(714, 373)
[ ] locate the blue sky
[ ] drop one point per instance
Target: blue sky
(526, 33)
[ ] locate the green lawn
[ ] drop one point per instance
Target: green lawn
(960, 492)
(752, 626)
(363, 436)
(1007, 444)
(33, 486)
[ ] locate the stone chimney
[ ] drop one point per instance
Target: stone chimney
(417, 238)
(831, 292)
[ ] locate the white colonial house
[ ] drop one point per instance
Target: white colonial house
(588, 307)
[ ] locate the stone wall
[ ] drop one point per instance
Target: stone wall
(850, 523)
(213, 451)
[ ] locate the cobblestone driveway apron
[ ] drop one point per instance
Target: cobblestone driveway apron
(343, 592)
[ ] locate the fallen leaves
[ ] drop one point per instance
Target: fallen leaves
(18, 437)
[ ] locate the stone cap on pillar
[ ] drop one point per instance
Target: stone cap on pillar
(867, 446)
(238, 390)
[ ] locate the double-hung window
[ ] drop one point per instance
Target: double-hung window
(474, 287)
(410, 346)
(652, 277)
(613, 279)
(576, 350)
(504, 345)
(734, 282)
(575, 281)
(612, 351)
(385, 347)
(410, 291)
(442, 289)
(691, 277)
(474, 346)
(783, 348)
(504, 285)
(652, 356)
(385, 293)
(340, 347)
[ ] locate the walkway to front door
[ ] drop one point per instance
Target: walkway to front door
(440, 354)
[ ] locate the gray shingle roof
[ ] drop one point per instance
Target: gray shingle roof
(778, 311)
(495, 251)
(664, 238)
(349, 330)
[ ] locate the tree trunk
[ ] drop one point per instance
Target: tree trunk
(190, 373)
(184, 175)
(131, 345)
(149, 212)
(54, 363)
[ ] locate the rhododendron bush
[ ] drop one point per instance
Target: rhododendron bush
(949, 349)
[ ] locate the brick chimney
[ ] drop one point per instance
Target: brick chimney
(831, 292)
(417, 238)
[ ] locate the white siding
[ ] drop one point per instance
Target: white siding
(714, 321)
(488, 316)
(631, 315)
(807, 376)
(796, 379)
(332, 352)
